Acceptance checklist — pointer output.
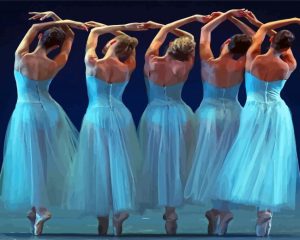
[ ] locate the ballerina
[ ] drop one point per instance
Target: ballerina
(261, 168)
(40, 139)
(108, 152)
(166, 129)
(218, 114)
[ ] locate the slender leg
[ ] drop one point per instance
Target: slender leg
(170, 217)
(42, 215)
(31, 215)
(219, 218)
(263, 223)
(118, 220)
(103, 223)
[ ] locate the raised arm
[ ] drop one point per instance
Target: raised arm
(261, 33)
(177, 32)
(94, 24)
(163, 32)
(254, 21)
(289, 58)
(61, 58)
(205, 37)
(23, 47)
(91, 45)
(242, 26)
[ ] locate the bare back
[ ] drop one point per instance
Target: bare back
(223, 71)
(109, 69)
(270, 68)
(36, 67)
(166, 71)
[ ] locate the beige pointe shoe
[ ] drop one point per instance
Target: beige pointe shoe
(212, 217)
(118, 223)
(263, 223)
(222, 222)
(31, 215)
(39, 222)
(171, 223)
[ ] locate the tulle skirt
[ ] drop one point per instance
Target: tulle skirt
(102, 177)
(217, 126)
(166, 134)
(261, 169)
(39, 145)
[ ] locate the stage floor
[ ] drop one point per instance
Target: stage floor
(191, 225)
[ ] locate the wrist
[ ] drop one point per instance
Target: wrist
(296, 20)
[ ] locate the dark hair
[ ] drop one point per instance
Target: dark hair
(239, 44)
(282, 40)
(182, 48)
(125, 46)
(53, 36)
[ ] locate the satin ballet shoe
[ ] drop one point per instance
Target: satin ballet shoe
(263, 224)
(212, 217)
(118, 223)
(171, 223)
(39, 222)
(103, 223)
(31, 215)
(223, 221)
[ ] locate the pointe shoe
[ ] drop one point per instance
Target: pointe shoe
(263, 224)
(212, 217)
(223, 221)
(171, 223)
(118, 223)
(103, 225)
(31, 215)
(39, 222)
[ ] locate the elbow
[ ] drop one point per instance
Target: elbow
(35, 28)
(166, 28)
(71, 35)
(264, 28)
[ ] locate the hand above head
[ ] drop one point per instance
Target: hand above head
(42, 15)
(237, 12)
(76, 24)
(251, 17)
(92, 24)
(135, 26)
(203, 18)
(152, 25)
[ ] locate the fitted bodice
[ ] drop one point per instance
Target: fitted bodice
(263, 91)
(104, 94)
(211, 91)
(32, 91)
(166, 94)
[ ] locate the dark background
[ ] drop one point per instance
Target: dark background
(69, 88)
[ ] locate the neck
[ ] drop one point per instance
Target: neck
(110, 53)
(40, 51)
(273, 52)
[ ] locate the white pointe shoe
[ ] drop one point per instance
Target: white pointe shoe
(31, 215)
(39, 222)
(212, 217)
(223, 221)
(171, 223)
(263, 224)
(118, 223)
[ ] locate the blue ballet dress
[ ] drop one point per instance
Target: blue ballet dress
(102, 177)
(166, 133)
(39, 145)
(261, 169)
(218, 120)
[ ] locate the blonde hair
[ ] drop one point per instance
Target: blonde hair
(182, 48)
(125, 46)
